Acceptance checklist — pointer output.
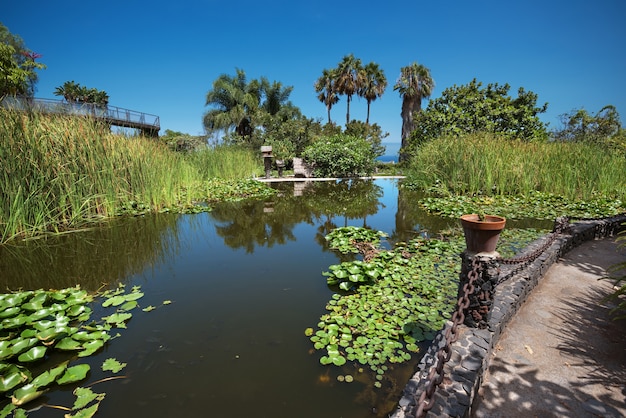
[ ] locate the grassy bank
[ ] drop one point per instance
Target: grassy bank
(60, 172)
(488, 165)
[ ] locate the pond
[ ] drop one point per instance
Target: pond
(245, 281)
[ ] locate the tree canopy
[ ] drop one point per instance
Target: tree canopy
(17, 66)
(73, 92)
(473, 108)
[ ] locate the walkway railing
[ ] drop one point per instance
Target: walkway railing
(117, 116)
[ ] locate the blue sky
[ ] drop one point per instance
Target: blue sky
(161, 57)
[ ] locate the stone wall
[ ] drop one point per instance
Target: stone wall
(470, 354)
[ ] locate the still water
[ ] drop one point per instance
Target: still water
(245, 281)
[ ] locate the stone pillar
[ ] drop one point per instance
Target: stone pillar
(480, 300)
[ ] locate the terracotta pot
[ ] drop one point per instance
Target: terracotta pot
(482, 236)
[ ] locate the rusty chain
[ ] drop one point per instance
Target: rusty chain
(436, 374)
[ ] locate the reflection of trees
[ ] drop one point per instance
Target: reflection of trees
(412, 219)
(269, 222)
(102, 255)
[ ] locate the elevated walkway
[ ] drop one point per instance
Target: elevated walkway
(148, 124)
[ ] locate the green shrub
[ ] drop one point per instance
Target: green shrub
(341, 156)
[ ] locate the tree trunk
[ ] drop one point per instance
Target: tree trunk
(409, 107)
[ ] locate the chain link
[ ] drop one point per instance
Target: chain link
(436, 374)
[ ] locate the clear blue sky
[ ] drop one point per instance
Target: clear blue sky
(161, 57)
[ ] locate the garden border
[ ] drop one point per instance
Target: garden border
(471, 353)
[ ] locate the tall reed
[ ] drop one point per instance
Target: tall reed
(487, 164)
(59, 172)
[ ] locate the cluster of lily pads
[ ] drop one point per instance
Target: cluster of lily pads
(35, 324)
(343, 239)
(409, 293)
(537, 205)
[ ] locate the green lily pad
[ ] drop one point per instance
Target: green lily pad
(33, 354)
(49, 376)
(10, 380)
(68, 344)
(74, 374)
(22, 345)
(26, 394)
(91, 347)
(10, 312)
(84, 396)
(113, 365)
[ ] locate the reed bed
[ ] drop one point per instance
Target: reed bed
(59, 172)
(489, 165)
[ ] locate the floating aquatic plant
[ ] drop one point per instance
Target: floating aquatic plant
(33, 324)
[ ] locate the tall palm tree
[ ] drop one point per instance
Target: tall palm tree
(349, 79)
(414, 83)
(326, 89)
(276, 100)
(235, 103)
(70, 90)
(374, 85)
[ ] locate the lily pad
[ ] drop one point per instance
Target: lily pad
(74, 374)
(33, 354)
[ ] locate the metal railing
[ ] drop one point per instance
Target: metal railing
(111, 114)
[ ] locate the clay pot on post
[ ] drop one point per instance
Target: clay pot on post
(481, 235)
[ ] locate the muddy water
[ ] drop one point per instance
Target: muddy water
(245, 281)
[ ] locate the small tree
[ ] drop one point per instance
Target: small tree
(341, 156)
(579, 125)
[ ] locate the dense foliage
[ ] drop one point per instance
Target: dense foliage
(472, 108)
(484, 164)
(604, 128)
(341, 156)
(73, 92)
(17, 66)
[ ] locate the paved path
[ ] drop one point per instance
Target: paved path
(561, 355)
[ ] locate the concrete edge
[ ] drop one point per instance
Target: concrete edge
(470, 354)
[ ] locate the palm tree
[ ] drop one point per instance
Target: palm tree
(374, 85)
(325, 86)
(414, 83)
(235, 102)
(70, 90)
(349, 79)
(276, 100)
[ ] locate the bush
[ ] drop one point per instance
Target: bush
(341, 156)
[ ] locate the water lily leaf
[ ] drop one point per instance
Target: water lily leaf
(133, 296)
(6, 411)
(130, 305)
(33, 354)
(26, 394)
(167, 302)
(49, 376)
(148, 308)
(91, 347)
(114, 301)
(48, 336)
(32, 306)
(23, 344)
(75, 310)
(10, 312)
(15, 322)
(85, 413)
(68, 343)
(117, 318)
(112, 365)
(10, 380)
(339, 360)
(74, 374)
(84, 396)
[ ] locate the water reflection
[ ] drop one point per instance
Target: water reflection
(89, 258)
(245, 281)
